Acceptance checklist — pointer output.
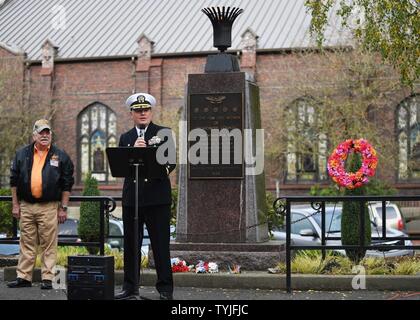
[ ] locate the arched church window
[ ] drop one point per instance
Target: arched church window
(97, 130)
(306, 158)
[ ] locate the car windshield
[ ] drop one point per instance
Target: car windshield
(333, 214)
(332, 220)
(114, 230)
(390, 212)
(69, 227)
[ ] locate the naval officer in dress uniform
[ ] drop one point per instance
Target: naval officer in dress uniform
(154, 200)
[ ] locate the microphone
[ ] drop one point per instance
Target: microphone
(141, 133)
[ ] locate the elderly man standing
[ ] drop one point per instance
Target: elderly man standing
(41, 178)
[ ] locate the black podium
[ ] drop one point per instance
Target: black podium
(122, 161)
(130, 162)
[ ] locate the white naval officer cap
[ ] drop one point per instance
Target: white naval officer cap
(140, 101)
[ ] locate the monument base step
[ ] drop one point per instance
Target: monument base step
(250, 256)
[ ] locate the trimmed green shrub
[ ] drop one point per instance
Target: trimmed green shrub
(350, 225)
(89, 214)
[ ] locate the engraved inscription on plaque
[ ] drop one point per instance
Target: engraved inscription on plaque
(220, 149)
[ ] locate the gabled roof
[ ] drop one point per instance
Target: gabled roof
(101, 28)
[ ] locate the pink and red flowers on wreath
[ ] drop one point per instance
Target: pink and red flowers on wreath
(352, 180)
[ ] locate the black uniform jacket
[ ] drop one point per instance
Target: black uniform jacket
(152, 192)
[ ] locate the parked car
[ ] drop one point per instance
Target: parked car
(8, 249)
(116, 228)
(307, 231)
(394, 218)
(67, 231)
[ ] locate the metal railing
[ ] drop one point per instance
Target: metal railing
(283, 206)
(106, 205)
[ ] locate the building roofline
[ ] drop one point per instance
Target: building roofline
(190, 54)
(12, 49)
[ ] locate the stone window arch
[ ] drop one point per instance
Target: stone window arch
(306, 156)
(97, 130)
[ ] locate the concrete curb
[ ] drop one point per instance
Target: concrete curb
(264, 281)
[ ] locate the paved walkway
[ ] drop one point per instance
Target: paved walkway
(190, 293)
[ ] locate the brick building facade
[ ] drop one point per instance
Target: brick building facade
(79, 74)
(68, 88)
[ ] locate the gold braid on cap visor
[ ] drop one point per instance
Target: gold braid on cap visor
(140, 105)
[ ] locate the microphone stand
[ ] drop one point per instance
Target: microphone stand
(136, 219)
(136, 228)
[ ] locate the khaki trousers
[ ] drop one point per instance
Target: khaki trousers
(38, 227)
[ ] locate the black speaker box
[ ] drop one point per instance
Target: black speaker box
(90, 278)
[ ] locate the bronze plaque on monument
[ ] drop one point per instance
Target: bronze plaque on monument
(220, 118)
